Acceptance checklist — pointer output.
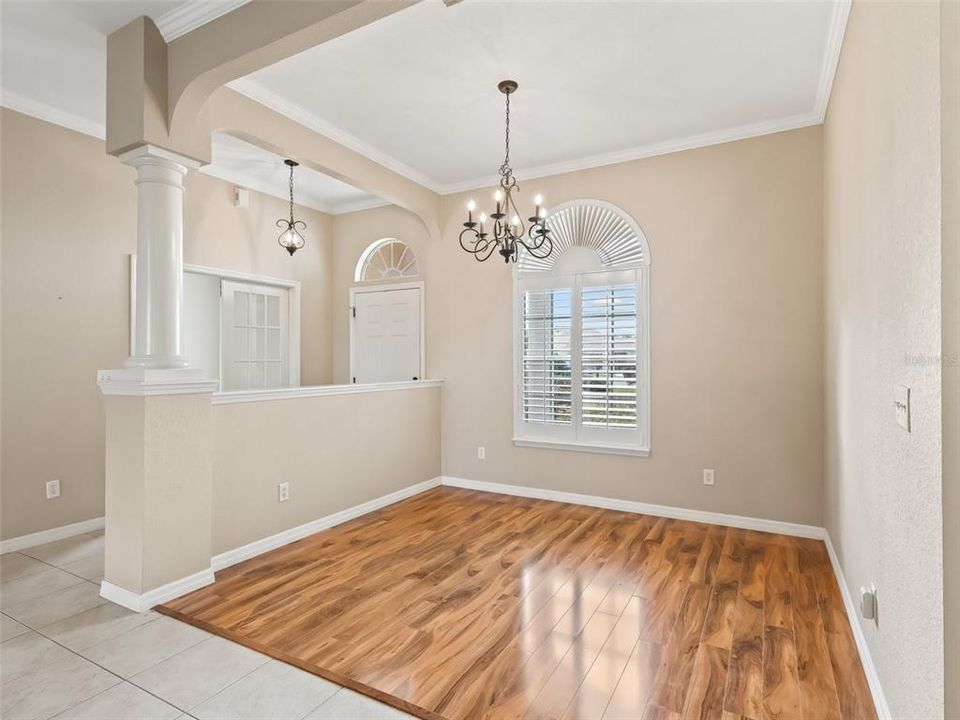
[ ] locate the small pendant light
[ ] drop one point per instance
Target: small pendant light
(291, 231)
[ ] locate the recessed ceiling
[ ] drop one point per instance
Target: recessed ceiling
(599, 81)
(253, 167)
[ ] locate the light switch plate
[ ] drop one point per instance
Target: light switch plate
(901, 404)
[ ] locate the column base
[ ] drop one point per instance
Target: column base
(143, 381)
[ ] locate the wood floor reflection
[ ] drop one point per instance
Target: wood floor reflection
(459, 604)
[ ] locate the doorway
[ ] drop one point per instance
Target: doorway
(386, 333)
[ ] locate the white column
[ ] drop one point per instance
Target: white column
(159, 276)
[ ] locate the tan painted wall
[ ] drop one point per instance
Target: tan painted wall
(69, 221)
(734, 232)
(335, 451)
(883, 328)
(736, 328)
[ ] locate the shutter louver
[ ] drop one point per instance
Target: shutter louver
(546, 383)
(608, 356)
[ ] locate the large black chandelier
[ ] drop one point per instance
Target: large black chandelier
(508, 232)
(291, 231)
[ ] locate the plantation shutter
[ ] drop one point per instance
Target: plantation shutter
(608, 356)
(546, 383)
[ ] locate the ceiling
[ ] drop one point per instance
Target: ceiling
(600, 82)
(54, 67)
(253, 167)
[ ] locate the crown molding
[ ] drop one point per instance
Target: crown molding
(831, 55)
(50, 114)
(193, 14)
(260, 94)
(741, 132)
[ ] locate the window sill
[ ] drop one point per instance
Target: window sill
(582, 447)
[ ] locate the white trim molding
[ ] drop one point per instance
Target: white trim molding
(54, 115)
(141, 602)
(869, 669)
(191, 15)
(582, 447)
(831, 55)
(641, 508)
(145, 382)
(44, 536)
(245, 396)
(258, 547)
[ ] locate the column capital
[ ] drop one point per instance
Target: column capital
(144, 381)
(155, 155)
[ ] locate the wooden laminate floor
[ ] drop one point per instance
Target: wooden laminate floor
(460, 604)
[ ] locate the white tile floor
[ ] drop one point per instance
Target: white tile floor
(65, 652)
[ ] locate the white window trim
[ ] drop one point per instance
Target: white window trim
(374, 247)
(293, 286)
(522, 437)
(414, 285)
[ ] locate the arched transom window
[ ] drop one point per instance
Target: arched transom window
(387, 259)
(582, 353)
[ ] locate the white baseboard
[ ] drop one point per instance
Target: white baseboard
(45, 536)
(711, 518)
(157, 596)
(869, 669)
(258, 547)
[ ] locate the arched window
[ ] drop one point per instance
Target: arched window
(582, 348)
(387, 259)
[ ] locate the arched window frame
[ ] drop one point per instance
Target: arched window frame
(376, 246)
(574, 277)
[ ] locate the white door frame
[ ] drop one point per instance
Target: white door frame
(415, 285)
(293, 316)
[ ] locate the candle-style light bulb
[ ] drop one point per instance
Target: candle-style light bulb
(516, 220)
(498, 196)
(538, 200)
(471, 206)
(483, 219)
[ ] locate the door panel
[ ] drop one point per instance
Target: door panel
(255, 336)
(386, 336)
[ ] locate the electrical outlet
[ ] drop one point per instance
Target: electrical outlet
(283, 492)
(481, 452)
(707, 476)
(53, 489)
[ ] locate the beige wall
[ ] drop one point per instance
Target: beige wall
(883, 316)
(68, 224)
(322, 447)
(734, 234)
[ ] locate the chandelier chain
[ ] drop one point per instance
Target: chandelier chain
(505, 169)
(291, 193)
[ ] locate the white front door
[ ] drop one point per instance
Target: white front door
(255, 333)
(385, 335)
